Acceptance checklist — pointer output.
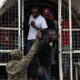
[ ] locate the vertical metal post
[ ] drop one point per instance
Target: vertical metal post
(22, 24)
(60, 39)
(19, 24)
(70, 25)
(76, 68)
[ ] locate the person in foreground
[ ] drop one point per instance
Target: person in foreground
(17, 67)
(42, 60)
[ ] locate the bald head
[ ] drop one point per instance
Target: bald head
(35, 12)
(52, 35)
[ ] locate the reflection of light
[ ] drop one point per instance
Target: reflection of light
(2, 2)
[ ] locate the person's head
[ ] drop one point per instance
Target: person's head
(35, 12)
(51, 17)
(16, 54)
(46, 13)
(52, 35)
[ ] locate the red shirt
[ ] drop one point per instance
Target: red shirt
(5, 37)
(65, 34)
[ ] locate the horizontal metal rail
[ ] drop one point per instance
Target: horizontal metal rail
(4, 28)
(3, 64)
(69, 29)
(5, 51)
(74, 51)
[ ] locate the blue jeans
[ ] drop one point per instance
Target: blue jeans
(29, 45)
(46, 74)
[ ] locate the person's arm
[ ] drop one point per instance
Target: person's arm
(43, 25)
(27, 59)
(34, 26)
(31, 53)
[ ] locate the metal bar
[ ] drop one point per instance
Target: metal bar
(74, 51)
(60, 39)
(3, 64)
(19, 24)
(70, 25)
(5, 51)
(3, 28)
(72, 30)
(76, 68)
(22, 24)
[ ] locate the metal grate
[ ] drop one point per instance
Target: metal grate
(66, 52)
(8, 32)
(3, 74)
(8, 37)
(65, 41)
(4, 57)
(9, 28)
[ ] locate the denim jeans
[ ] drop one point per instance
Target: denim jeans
(29, 45)
(46, 74)
(30, 68)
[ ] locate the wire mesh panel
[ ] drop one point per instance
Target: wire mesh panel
(8, 36)
(65, 41)
(3, 73)
(8, 31)
(76, 45)
(66, 51)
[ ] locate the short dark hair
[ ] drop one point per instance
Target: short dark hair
(34, 8)
(50, 30)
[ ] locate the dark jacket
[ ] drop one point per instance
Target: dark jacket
(50, 23)
(43, 56)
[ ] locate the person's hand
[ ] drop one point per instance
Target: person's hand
(38, 35)
(33, 23)
(39, 71)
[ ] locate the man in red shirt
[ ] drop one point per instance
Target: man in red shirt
(66, 47)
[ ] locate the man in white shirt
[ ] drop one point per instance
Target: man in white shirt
(36, 22)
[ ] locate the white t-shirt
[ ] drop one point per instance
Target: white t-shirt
(39, 22)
